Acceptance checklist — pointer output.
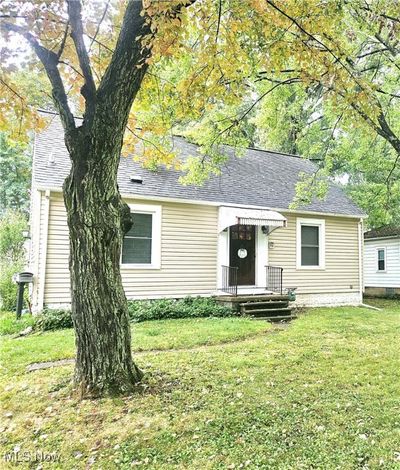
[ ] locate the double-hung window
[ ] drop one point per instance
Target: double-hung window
(141, 245)
(310, 243)
(381, 259)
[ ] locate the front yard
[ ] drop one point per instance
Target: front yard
(322, 393)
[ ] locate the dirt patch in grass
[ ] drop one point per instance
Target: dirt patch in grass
(65, 362)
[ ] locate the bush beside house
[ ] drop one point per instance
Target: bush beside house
(139, 310)
(189, 307)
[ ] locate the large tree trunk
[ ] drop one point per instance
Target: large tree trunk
(97, 220)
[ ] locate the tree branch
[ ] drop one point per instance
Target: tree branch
(376, 51)
(386, 44)
(99, 24)
(219, 21)
(49, 60)
(126, 70)
(237, 120)
(64, 39)
(93, 39)
(88, 90)
(315, 39)
(71, 67)
(366, 7)
(14, 92)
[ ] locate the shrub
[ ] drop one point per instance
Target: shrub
(142, 310)
(8, 288)
(9, 325)
(12, 256)
(12, 224)
(53, 319)
(189, 307)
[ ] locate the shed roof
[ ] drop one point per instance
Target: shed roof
(383, 232)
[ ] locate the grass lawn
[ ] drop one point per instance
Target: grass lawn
(323, 393)
(10, 325)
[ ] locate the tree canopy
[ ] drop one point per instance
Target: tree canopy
(216, 66)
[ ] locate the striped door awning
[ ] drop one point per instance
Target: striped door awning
(252, 221)
(229, 216)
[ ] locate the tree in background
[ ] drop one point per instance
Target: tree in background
(291, 120)
(15, 175)
(326, 87)
(345, 114)
(298, 121)
(12, 255)
(138, 70)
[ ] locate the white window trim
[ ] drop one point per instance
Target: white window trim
(377, 259)
(320, 223)
(155, 211)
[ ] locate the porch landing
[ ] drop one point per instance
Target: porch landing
(261, 306)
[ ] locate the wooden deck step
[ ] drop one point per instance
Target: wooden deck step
(283, 318)
(268, 304)
(255, 298)
(269, 312)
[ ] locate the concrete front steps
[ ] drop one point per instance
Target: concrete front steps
(268, 307)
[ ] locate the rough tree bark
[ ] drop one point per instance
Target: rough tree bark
(97, 220)
(97, 217)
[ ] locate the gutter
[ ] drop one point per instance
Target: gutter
(219, 204)
(389, 237)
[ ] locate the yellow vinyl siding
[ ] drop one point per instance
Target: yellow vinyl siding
(341, 273)
(189, 239)
(188, 254)
(57, 287)
(36, 250)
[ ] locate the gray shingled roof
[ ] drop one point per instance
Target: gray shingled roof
(259, 178)
(383, 232)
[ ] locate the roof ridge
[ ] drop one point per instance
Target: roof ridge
(257, 149)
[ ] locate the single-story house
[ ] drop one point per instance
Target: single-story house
(235, 234)
(382, 261)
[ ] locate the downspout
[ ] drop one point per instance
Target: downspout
(42, 278)
(360, 259)
(35, 245)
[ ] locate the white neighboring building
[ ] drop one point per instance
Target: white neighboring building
(382, 261)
